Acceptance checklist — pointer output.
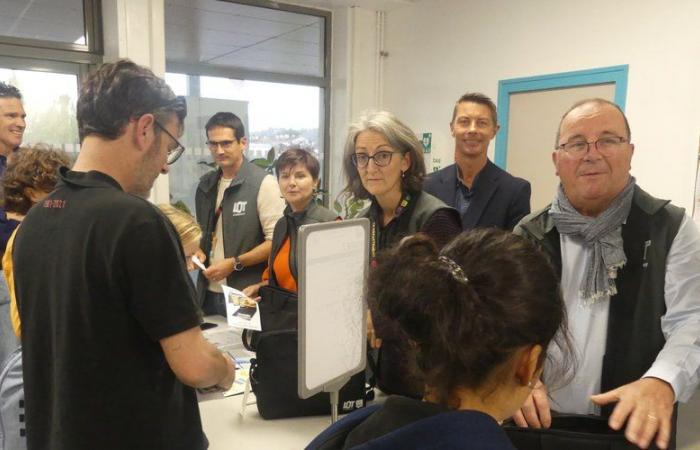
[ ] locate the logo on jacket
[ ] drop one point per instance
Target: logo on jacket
(239, 208)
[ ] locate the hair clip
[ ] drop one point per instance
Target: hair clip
(454, 269)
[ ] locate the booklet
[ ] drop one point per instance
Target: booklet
(241, 310)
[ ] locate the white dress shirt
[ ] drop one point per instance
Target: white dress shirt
(678, 363)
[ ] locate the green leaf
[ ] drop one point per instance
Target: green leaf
(271, 155)
(261, 162)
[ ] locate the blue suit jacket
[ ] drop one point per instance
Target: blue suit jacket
(500, 199)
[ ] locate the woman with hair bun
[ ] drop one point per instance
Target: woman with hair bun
(480, 318)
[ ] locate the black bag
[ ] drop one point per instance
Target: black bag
(274, 370)
(570, 432)
(274, 379)
(278, 311)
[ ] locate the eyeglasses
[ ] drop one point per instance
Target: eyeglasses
(175, 153)
(213, 145)
(605, 145)
(381, 159)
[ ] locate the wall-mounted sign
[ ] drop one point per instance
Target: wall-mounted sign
(427, 142)
(437, 164)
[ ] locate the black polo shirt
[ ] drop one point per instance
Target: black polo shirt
(100, 279)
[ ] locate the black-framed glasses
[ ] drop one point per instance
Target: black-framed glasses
(381, 159)
(175, 153)
(226, 145)
(605, 145)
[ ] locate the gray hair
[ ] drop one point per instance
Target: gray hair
(400, 137)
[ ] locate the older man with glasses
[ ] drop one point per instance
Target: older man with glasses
(237, 205)
(630, 277)
(110, 332)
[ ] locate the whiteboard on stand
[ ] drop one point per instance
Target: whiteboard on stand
(333, 265)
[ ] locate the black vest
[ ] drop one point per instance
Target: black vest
(241, 229)
(634, 336)
(288, 225)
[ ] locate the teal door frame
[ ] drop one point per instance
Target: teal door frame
(603, 75)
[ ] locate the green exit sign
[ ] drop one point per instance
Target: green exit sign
(427, 142)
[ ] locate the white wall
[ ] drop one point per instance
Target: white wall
(354, 76)
(135, 29)
(439, 49)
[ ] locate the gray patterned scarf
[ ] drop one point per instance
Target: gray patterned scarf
(603, 234)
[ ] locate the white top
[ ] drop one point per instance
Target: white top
(678, 363)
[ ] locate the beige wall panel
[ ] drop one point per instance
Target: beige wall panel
(532, 126)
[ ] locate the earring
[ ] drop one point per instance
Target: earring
(403, 174)
(530, 384)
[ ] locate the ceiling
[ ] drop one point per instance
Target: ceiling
(378, 5)
(241, 36)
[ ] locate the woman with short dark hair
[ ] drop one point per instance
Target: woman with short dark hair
(480, 316)
(298, 177)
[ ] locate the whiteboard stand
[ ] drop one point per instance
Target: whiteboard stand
(333, 265)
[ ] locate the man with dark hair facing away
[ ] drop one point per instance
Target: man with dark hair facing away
(237, 206)
(110, 331)
(484, 194)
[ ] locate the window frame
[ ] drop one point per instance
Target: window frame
(64, 51)
(323, 82)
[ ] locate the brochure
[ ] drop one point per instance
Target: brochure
(241, 310)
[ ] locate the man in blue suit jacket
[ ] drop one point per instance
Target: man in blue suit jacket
(484, 194)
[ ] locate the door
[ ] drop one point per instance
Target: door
(530, 110)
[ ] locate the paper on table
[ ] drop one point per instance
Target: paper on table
(237, 388)
(242, 376)
(241, 310)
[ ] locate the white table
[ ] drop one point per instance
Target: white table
(226, 428)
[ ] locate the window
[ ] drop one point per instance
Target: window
(49, 99)
(267, 64)
(279, 115)
(276, 116)
(57, 24)
(47, 47)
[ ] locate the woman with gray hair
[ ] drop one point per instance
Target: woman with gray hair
(383, 162)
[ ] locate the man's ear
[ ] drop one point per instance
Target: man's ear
(528, 368)
(144, 131)
(244, 142)
(34, 195)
